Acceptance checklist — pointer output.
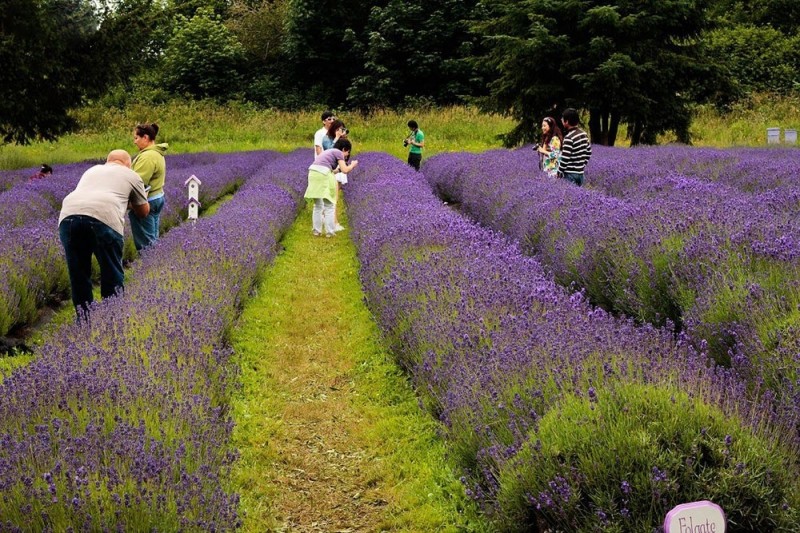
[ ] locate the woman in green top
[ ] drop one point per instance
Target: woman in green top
(152, 168)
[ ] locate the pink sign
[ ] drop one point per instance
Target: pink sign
(695, 517)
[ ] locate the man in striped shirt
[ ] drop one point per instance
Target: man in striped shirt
(576, 149)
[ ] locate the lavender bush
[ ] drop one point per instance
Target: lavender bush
(663, 248)
(524, 377)
(122, 423)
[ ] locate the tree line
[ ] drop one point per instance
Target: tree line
(641, 63)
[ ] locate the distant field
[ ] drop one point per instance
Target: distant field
(205, 126)
(202, 126)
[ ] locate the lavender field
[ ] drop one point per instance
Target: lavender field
(561, 414)
(594, 356)
(705, 242)
(122, 423)
(32, 270)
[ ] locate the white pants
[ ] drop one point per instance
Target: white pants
(323, 209)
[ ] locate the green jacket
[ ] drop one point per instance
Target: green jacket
(152, 168)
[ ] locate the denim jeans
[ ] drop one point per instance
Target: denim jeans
(145, 230)
(574, 177)
(83, 236)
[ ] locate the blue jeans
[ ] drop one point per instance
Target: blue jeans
(574, 177)
(145, 230)
(83, 236)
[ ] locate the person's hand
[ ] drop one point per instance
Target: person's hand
(354, 163)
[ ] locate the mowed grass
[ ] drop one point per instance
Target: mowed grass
(329, 430)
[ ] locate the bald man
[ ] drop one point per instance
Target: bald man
(91, 222)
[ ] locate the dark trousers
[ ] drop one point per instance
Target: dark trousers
(414, 160)
(83, 236)
(574, 177)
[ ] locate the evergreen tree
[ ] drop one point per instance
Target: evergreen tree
(624, 61)
(323, 52)
(416, 49)
(45, 65)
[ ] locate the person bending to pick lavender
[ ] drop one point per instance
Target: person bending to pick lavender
(322, 185)
(91, 222)
(337, 130)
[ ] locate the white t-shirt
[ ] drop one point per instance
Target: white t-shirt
(103, 192)
(321, 133)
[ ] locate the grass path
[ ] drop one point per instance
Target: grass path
(330, 434)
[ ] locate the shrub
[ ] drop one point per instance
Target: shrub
(630, 454)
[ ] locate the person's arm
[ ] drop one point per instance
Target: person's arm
(345, 168)
(567, 152)
(141, 210)
(420, 142)
(137, 200)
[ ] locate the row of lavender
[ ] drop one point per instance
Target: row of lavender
(561, 415)
(123, 424)
(704, 256)
(32, 266)
(754, 170)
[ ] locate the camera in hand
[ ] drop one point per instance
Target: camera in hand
(405, 142)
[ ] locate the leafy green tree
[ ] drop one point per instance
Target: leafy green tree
(757, 58)
(132, 37)
(624, 61)
(323, 51)
(416, 49)
(44, 65)
(782, 15)
(260, 26)
(203, 58)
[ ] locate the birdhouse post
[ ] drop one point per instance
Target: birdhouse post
(193, 208)
(193, 186)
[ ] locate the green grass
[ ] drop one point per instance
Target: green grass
(204, 126)
(191, 126)
(310, 316)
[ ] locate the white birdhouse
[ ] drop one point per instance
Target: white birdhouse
(193, 183)
(193, 207)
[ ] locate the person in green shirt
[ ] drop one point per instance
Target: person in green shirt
(151, 166)
(415, 141)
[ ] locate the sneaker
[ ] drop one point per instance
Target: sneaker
(338, 227)
(328, 235)
(315, 233)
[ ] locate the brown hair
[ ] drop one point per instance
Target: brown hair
(149, 130)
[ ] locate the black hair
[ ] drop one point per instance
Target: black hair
(327, 114)
(570, 116)
(413, 124)
(46, 169)
(150, 130)
(343, 144)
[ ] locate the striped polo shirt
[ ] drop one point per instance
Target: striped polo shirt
(576, 151)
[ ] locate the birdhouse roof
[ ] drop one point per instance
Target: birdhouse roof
(192, 178)
(193, 201)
